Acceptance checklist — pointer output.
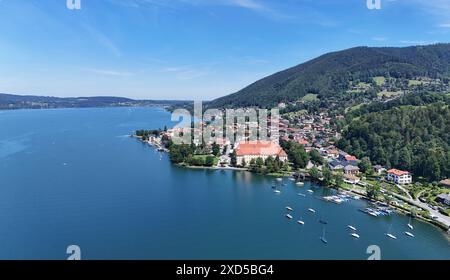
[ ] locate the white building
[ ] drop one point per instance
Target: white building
(399, 177)
(246, 151)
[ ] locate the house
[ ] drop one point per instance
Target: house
(332, 153)
(351, 179)
(445, 183)
(399, 177)
(379, 169)
(336, 165)
(351, 170)
(246, 151)
(444, 199)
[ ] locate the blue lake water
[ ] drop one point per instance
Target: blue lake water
(72, 176)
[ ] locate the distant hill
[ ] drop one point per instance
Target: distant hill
(331, 74)
(10, 101)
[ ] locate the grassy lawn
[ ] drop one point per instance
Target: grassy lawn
(203, 157)
(416, 83)
(296, 114)
(379, 80)
(389, 94)
(356, 107)
(310, 97)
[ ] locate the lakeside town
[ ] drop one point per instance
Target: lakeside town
(305, 149)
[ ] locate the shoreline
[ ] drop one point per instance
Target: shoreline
(398, 209)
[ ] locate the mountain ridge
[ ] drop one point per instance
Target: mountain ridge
(329, 74)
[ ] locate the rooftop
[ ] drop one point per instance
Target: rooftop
(260, 148)
(397, 172)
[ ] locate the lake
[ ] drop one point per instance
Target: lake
(74, 177)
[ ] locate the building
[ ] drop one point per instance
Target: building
(399, 177)
(379, 169)
(444, 199)
(351, 179)
(246, 151)
(445, 183)
(351, 170)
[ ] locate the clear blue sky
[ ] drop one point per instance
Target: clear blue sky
(186, 49)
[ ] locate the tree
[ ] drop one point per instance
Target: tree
(338, 181)
(233, 158)
(216, 149)
(316, 157)
(327, 176)
(243, 163)
(209, 161)
(314, 173)
(366, 166)
(373, 191)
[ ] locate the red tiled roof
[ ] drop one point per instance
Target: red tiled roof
(303, 142)
(260, 148)
(350, 158)
(445, 182)
(397, 172)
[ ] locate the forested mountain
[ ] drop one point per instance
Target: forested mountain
(9, 101)
(332, 74)
(414, 138)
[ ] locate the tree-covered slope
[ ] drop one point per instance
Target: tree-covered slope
(331, 74)
(414, 138)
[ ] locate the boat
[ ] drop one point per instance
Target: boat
(279, 179)
(355, 235)
(409, 234)
(292, 179)
(391, 236)
(351, 227)
(277, 191)
(388, 234)
(289, 208)
(288, 216)
(300, 222)
(302, 194)
(322, 238)
(310, 191)
(372, 213)
(409, 223)
(312, 210)
(300, 184)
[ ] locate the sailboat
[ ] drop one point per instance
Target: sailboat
(355, 235)
(289, 216)
(310, 209)
(289, 208)
(350, 226)
(322, 238)
(409, 234)
(409, 223)
(390, 235)
(301, 222)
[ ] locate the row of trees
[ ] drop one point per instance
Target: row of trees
(270, 165)
(188, 154)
